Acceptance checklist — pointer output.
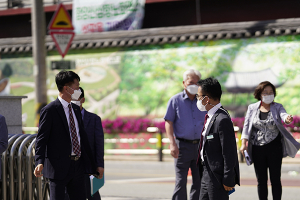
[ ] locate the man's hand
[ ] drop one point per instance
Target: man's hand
(38, 170)
(227, 188)
(174, 150)
(173, 146)
(101, 172)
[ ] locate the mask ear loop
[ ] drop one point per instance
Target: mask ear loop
(68, 92)
(203, 99)
(209, 103)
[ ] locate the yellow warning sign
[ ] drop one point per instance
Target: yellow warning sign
(61, 19)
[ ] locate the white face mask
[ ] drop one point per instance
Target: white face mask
(76, 94)
(78, 103)
(268, 99)
(192, 89)
(200, 106)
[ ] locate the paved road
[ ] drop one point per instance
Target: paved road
(152, 180)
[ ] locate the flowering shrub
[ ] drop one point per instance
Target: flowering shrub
(239, 122)
(295, 125)
(121, 125)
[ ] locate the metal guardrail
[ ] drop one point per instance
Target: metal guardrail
(18, 181)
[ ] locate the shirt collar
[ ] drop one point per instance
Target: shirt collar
(64, 103)
(214, 109)
(82, 111)
(184, 95)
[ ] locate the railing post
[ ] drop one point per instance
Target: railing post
(11, 165)
(29, 156)
(5, 165)
(24, 165)
(159, 145)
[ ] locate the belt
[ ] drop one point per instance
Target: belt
(75, 158)
(189, 141)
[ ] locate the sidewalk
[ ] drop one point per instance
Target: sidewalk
(169, 158)
(154, 180)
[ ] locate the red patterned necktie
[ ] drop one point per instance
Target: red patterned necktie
(201, 138)
(75, 143)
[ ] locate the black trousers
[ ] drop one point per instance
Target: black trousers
(187, 158)
(73, 184)
(264, 157)
(208, 191)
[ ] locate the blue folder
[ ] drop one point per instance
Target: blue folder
(96, 184)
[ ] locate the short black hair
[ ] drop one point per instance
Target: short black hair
(65, 78)
(211, 88)
(82, 93)
(260, 88)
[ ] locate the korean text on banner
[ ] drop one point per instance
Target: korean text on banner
(107, 15)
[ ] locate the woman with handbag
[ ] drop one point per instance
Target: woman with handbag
(268, 140)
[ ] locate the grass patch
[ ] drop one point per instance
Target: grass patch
(108, 79)
(21, 90)
(29, 109)
(15, 79)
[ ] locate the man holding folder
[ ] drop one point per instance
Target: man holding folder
(94, 130)
(62, 150)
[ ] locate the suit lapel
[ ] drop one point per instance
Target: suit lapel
(274, 113)
(256, 107)
(86, 118)
(62, 114)
(77, 113)
(210, 124)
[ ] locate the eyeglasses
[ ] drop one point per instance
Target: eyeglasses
(265, 94)
(198, 97)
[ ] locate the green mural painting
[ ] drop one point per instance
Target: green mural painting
(138, 81)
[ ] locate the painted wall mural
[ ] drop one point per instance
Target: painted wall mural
(138, 81)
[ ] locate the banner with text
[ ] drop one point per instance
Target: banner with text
(107, 15)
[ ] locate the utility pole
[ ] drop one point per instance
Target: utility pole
(38, 29)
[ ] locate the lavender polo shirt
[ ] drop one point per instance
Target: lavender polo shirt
(187, 119)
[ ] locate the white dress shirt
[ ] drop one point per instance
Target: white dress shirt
(210, 114)
(65, 105)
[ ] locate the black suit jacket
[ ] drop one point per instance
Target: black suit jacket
(53, 142)
(94, 130)
(220, 151)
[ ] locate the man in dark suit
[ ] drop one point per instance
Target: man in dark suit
(94, 130)
(217, 155)
(3, 137)
(62, 149)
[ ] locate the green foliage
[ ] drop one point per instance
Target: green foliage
(21, 67)
(7, 71)
(289, 98)
(28, 108)
(101, 84)
(19, 91)
(149, 80)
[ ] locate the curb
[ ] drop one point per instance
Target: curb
(169, 158)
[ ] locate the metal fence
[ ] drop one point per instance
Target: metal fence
(18, 181)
